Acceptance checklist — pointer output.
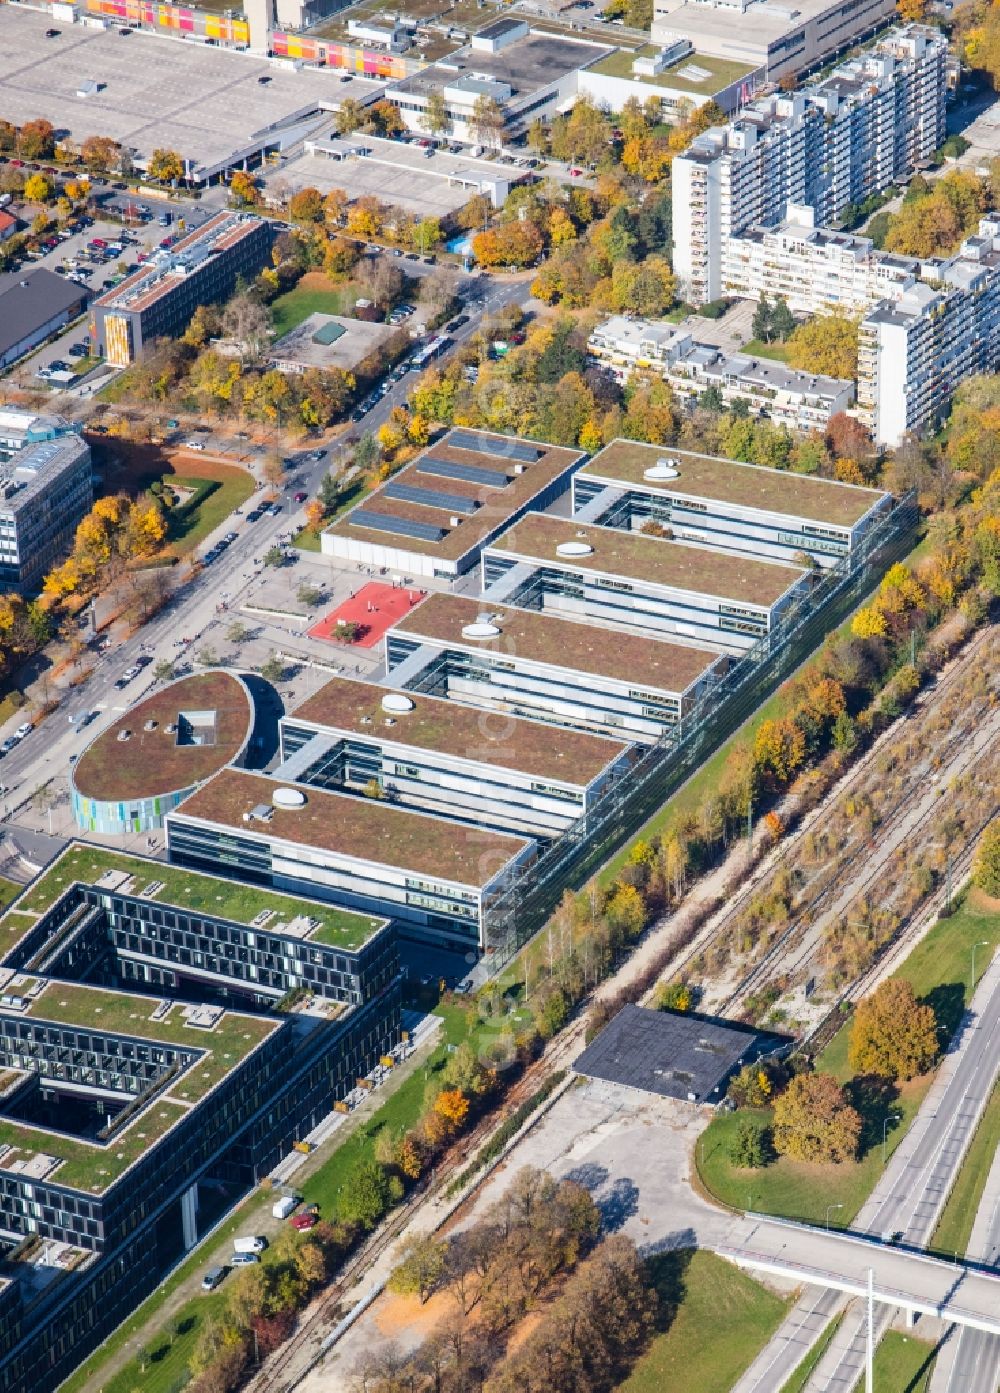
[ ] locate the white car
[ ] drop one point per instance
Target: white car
(25, 728)
(194, 445)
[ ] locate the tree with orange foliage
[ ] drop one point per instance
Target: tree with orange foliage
(779, 749)
(453, 1107)
(315, 516)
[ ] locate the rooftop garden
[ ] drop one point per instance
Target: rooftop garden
(338, 928)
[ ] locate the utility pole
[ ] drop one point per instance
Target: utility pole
(870, 1342)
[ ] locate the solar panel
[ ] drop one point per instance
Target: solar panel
(469, 473)
(405, 527)
(431, 498)
(493, 445)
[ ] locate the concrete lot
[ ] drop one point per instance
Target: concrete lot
(411, 180)
(206, 103)
(301, 349)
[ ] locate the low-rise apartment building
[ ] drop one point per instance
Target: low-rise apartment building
(158, 300)
(724, 504)
(798, 400)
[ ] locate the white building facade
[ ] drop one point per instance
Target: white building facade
(871, 122)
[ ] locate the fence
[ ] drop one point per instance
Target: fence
(523, 907)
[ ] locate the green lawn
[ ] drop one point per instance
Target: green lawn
(9, 890)
(903, 1364)
(307, 540)
(801, 1376)
(757, 348)
(799, 1189)
(167, 1366)
(234, 488)
(290, 309)
(955, 1225)
(723, 1319)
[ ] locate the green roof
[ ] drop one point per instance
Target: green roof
(722, 72)
(206, 894)
(94, 1166)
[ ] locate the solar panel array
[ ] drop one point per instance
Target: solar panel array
(468, 473)
(404, 527)
(431, 498)
(492, 445)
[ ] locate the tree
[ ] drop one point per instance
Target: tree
(436, 118)
(37, 189)
(274, 556)
(350, 116)
(487, 122)
(760, 325)
(165, 166)
(813, 1121)
(452, 1106)
(243, 188)
(986, 869)
(750, 1147)
(273, 669)
(421, 1266)
(237, 632)
(384, 116)
(846, 437)
(673, 996)
(367, 1194)
(751, 1088)
(37, 140)
(826, 345)
(306, 206)
(101, 152)
(892, 1034)
(248, 323)
(164, 671)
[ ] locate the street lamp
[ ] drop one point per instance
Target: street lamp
(889, 1117)
(829, 1207)
(983, 943)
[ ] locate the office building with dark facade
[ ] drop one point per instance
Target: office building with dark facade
(167, 1066)
(158, 300)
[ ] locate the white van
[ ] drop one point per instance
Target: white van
(285, 1206)
(249, 1244)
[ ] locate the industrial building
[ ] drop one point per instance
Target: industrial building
(158, 300)
(520, 662)
(444, 757)
(141, 1057)
(151, 758)
(33, 305)
(435, 516)
(871, 122)
(798, 400)
(438, 879)
(767, 34)
(326, 341)
(46, 487)
(726, 505)
(647, 583)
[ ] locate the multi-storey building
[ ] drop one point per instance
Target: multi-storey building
(726, 505)
(815, 270)
(445, 757)
(439, 879)
(871, 122)
(799, 400)
(642, 582)
(45, 489)
(158, 300)
(914, 350)
(140, 1056)
(521, 662)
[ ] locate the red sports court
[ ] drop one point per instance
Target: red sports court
(374, 609)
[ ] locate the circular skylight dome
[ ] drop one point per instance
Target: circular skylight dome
(480, 630)
(397, 704)
(574, 549)
(288, 798)
(663, 469)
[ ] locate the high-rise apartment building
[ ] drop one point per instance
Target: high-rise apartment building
(871, 122)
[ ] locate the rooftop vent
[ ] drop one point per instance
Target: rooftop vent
(288, 798)
(664, 468)
(397, 703)
(574, 549)
(482, 628)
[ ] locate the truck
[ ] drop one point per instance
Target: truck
(249, 1244)
(283, 1207)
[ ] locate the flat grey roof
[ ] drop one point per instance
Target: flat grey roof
(203, 101)
(308, 345)
(672, 1055)
(28, 299)
(526, 65)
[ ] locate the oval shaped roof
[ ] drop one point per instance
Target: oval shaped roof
(195, 727)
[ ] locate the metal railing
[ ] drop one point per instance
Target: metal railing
(521, 909)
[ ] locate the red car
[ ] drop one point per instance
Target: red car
(301, 497)
(306, 1220)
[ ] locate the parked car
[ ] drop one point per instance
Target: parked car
(198, 445)
(9, 744)
(212, 1278)
(308, 1220)
(301, 497)
(249, 1243)
(243, 1259)
(274, 509)
(25, 728)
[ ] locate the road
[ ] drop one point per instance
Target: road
(907, 1200)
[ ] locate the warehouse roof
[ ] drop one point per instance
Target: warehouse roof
(29, 299)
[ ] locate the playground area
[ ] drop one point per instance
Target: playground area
(373, 610)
